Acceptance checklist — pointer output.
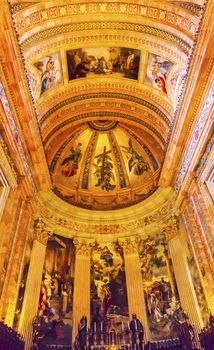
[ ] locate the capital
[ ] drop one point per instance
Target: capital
(83, 246)
(170, 228)
(130, 246)
(42, 232)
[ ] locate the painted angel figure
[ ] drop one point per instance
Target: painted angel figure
(136, 162)
(71, 163)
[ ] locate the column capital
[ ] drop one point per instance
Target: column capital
(42, 232)
(83, 246)
(170, 227)
(129, 245)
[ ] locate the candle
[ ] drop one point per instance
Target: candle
(122, 326)
(128, 326)
(135, 323)
(94, 327)
(101, 327)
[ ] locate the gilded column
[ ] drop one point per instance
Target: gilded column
(81, 297)
(33, 285)
(134, 282)
(183, 278)
(200, 245)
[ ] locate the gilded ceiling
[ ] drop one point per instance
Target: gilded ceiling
(106, 78)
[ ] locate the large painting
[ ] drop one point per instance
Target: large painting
(109, 303)
(56, 294)
(115, 61)
(48, 73)
(157, 72)
(161, 296)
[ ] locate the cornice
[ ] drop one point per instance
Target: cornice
(86, 223)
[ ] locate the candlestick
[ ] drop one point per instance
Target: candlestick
(101, 327)
(95, 328)
(122, 326)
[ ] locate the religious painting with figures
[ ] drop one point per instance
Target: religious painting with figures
(108, 61)
(157, 73)
(56, 293)
(109, 305)
(161, 296)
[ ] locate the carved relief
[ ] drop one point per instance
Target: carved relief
(170, 228)
(83, 246)
(130, 246)
(42, 232)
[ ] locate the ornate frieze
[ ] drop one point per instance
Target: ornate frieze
(27, 20)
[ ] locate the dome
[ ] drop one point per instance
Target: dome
(106, 164)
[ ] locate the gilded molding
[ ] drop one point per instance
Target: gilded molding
(83, 246)
(27, 20)
(42, 232)
(72, 224)
(76, 27)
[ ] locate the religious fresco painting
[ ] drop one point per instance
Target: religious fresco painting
(197, 283)
(116, 61)
(157, 72)
(136, 162)
(161, 297)
(103, 173)
(56, 294)
(48, 73)
(70, 163)
(109, 305)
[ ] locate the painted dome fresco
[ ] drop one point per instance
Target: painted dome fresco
(105, 164)
(105, 80)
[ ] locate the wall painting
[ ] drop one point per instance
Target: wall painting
(114, 61)
(161, 297)
(157, 72)
(109, 304)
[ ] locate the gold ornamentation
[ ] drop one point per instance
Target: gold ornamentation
(83, 246)
(42, 232)
(130, 246)
(170, 228)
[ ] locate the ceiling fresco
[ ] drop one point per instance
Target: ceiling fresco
(105, 80)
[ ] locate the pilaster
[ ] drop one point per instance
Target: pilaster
(134, 282)
(14, 268)
(200, 245)
(183, 278)
(34, 279)
(81, 298)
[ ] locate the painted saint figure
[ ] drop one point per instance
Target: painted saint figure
(70, 164)
(136, 162)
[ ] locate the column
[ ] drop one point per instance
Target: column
(202, 251)
(81, 296)
(33, 285)
(134, 282)
(14, 270)
(183, 278)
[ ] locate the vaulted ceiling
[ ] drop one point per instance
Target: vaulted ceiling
(106, 79)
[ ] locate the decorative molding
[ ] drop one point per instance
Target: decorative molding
(42, 233)
(73, 225)
(102, 96)
(105, 114)
(27, 20)
(193, 8)
(205, 156)
(83, 246)
(77, 27)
